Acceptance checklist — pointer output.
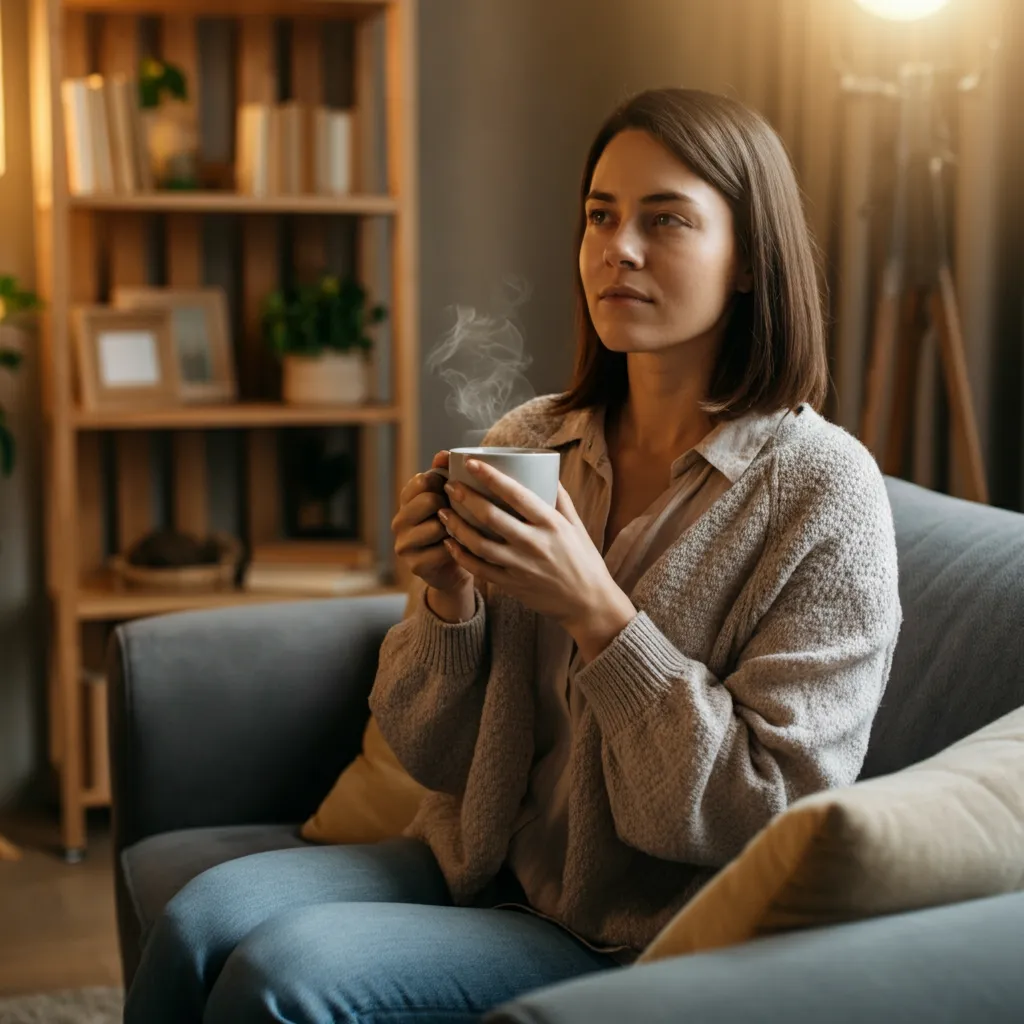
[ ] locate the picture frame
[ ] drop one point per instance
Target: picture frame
(125, 358)
(200, 335)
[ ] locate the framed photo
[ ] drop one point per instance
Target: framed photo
(125, 358)
(199, 328)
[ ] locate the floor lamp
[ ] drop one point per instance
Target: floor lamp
(917, 290)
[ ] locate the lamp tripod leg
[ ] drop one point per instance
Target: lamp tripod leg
(904, 401)
(883, 341)
(946, 317)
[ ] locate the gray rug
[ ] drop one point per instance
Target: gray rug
(73, 1006)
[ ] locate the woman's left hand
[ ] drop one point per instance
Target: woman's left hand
(547, 562)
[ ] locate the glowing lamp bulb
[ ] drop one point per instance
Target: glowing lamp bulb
(903, 10)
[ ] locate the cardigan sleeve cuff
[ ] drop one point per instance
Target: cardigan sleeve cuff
(452, 648)
(636, 670)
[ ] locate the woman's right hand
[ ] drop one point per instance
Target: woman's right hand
(419, 536)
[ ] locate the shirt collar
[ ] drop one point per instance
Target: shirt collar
(734, 444)
(575, 426)
(730, 447)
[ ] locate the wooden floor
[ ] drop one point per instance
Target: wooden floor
(57, 924)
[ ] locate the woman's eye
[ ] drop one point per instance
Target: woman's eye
(668, 220)
(597, 216)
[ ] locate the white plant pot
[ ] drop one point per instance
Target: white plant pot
(334, 378)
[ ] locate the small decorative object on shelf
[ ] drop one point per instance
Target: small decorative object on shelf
(202, 341)
(15, 304)
(320, 334)
(170, 560)
(126, 358)
(172, 135)
(319, 477)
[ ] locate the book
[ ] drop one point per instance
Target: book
(78, 137)
(308, 579)
(99, 129)
(253, 149)
(333, 151)
(289, 151)
(120, 96)
(104, 136)
(333, 554)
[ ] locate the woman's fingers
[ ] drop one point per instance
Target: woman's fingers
(488, 515)
(479, 568)
(420, 484)
(514, 494)
(440, 460)
(566, 507)
(418, 509)
(418, 537)
(473, 540)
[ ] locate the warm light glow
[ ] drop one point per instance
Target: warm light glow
(903, 10)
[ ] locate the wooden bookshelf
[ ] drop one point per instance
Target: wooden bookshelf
(233, 202)
(235, 416)
(101, 598)
(312, 9)
(101, 467)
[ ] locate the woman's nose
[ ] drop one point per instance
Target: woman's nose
(624, 250)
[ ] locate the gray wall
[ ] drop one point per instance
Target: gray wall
(510, 97)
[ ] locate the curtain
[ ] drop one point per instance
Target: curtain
(785, 57)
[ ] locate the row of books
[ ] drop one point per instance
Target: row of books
(104, 136)
(316, 569)
(282, 149)
(293, 149)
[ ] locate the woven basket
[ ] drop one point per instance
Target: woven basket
(215, 576)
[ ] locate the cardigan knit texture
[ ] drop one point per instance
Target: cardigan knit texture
(749, 678)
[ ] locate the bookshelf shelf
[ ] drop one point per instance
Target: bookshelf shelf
(238, 415)
(112, 477)
(347, 10)
(101, 598)
(233, 202)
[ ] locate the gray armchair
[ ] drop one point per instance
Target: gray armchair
(228, 727)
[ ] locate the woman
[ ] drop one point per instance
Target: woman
(611, 701)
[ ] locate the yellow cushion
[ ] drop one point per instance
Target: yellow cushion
(948, 829)
(374, 797)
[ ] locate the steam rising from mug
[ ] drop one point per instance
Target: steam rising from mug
(482, 360)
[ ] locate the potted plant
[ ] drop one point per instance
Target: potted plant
(319, 332)
(15, 302)
(172, 138)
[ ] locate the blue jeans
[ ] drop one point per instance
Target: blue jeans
(362, 934)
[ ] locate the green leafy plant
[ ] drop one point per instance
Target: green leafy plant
(328, 316)
(15, 305)
(157, 78)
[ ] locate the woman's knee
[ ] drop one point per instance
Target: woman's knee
(205, 920)
(284, 970)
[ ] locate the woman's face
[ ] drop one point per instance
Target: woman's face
(655, 228)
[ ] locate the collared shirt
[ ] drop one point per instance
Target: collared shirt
(696, 480)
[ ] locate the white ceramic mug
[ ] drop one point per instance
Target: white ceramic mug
(535, 468)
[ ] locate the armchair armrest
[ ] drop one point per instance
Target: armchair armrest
(240, 715)
(951, 963)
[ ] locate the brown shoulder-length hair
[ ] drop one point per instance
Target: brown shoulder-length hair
(773, 353)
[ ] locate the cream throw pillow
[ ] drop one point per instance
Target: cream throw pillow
(948, 829)
(374, 797)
